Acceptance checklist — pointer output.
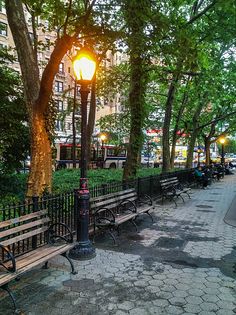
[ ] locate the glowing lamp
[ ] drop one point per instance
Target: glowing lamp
(103, 137)
(222, 140)
(84, 66)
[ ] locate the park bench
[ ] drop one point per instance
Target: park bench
(112, 210)
(171, 189)
(21, 247)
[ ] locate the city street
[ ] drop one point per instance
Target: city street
(183, 263)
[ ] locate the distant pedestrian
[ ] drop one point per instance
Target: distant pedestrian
(201, 177)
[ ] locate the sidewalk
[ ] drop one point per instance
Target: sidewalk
(184, 263)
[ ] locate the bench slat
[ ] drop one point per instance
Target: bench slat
(22, 218)
(112, 205)
(24, 236)
(124, 218)
(39, 256)
(23, 227)
(115, 201)
(115, 194)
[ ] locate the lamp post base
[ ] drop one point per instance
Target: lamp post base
(82, 251)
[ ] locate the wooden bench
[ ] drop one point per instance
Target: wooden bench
(171, 188)
(19, 238)
(112, 210)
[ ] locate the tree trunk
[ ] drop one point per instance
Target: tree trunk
(41, 162)
(136, 101)
(192, 141)
(38, 96)
(166, 125)
(207, 141)
(194, 134)
(136, 40)
(207, 150)
(176, 128)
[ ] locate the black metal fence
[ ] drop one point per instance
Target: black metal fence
(61, 208)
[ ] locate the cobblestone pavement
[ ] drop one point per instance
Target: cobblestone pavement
(184, 263)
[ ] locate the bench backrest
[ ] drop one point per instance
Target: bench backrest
(169, 182)
(111, 201)
(23, 227)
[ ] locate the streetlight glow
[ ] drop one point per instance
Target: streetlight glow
(103, 137)
(84, 66)
(222, 140)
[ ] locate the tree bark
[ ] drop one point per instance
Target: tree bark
(176, 128)
(207, 142)
(194, 134)
(136, 40)
(136, 101)
(166, 126)
(38, 94)
(41, 159)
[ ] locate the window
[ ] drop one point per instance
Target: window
(61, 68)
(59, 86)
(47, 44)
(46, 25)
(60, 105)
(59, 125)
(3, 45)
(68, 126)
(3, 29)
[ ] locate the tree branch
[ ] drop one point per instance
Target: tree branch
(216, 120)
(197, 16)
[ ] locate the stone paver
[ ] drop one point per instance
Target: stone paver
(183, 263)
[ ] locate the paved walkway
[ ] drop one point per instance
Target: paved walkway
(184, 263)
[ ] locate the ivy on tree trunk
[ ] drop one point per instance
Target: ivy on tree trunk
(136, 23)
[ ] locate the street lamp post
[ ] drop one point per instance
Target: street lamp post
(222, 141)
(103, 138)
(199, 151)
(84, 68)
(148, 152)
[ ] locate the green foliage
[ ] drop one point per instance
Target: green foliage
(13, 187)
(116, 126)
(14, 144)
(230, 146)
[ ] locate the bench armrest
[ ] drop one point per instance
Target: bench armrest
(11, 257)
(145, 199)
(103, 217)
(128, 205)
(52, 235)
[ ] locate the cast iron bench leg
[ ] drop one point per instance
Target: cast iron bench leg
(6, 288)
(112, 236)
(182, 198)
(134, 224)
(73, 271)
(45, 266)
(150, 216)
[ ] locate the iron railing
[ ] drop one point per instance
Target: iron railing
(61, 207)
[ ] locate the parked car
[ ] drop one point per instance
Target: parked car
(145, 161)
(180, 160)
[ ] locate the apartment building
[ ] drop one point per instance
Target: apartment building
(64, 83)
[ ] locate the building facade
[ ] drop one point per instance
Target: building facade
(65, 93)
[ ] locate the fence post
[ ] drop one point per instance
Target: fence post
(104, 186)
(151, 185)
(35, 200)
(139, 186)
